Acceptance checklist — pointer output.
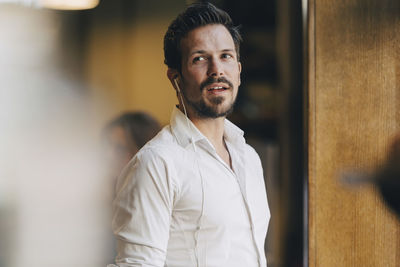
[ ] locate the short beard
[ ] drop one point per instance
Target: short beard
(205, 111)
(210, 111)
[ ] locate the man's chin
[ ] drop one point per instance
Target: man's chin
(212, 108)
(215, 111)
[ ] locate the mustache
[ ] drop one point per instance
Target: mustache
(210, 80)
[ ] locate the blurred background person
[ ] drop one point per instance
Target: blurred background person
(125, 135)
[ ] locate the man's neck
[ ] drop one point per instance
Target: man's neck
(213, 129)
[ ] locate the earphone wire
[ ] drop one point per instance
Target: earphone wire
(199, 222)
(184, 110)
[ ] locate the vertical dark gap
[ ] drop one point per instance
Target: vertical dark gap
(295, 239)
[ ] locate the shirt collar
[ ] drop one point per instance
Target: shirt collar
(186, 132)
(232, 133)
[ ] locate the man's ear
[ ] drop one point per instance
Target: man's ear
(173, 74)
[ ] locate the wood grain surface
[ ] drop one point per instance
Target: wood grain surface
(353, 112)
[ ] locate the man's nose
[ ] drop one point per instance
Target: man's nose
(215, 68)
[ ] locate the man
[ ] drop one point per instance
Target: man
(195, 194)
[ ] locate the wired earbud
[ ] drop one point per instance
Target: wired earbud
(178, 89)
(177, 85)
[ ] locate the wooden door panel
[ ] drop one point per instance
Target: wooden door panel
(354, 110)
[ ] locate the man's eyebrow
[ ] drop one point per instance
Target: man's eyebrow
(204, 52)
(198, 52)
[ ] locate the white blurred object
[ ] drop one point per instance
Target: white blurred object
(23, 2)
(57, 4)
(69, 4)
(52, 190)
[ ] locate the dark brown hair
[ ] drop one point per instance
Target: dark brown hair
(196, 15)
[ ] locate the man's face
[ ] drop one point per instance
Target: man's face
(210, 71)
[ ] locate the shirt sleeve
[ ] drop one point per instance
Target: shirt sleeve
(142, 211)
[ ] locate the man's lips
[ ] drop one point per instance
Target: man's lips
(217, 87)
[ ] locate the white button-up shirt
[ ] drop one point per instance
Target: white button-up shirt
(178, 204)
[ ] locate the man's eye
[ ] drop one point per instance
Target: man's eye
(196, 59)
(226, 56)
